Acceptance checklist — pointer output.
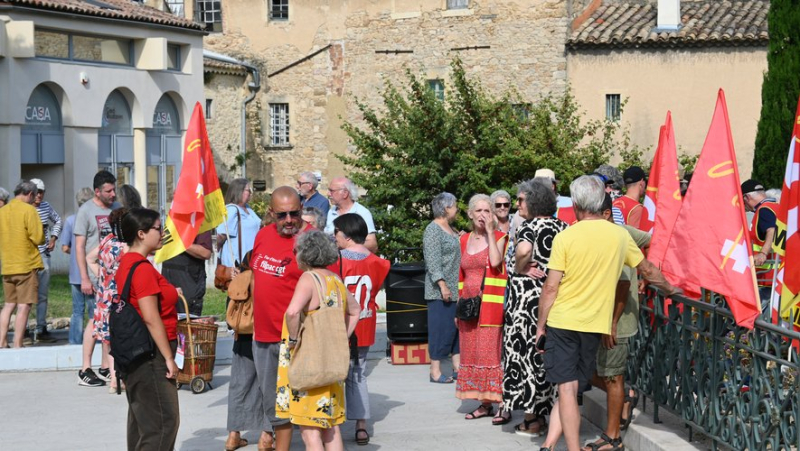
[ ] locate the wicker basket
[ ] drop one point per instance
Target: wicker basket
(199, 352)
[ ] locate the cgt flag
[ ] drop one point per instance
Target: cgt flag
(198, 204)
(710, 246)
(787, 241)
(662, 200)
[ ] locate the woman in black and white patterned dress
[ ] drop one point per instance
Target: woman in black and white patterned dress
(524, 385)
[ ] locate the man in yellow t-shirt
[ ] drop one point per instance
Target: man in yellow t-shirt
(20, 235)
(577, 301)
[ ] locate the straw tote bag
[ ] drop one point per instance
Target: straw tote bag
(322, 354)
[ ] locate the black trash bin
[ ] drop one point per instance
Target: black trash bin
(406, 309)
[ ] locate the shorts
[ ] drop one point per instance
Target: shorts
(570, 356)
(265, 358)
(612, 362)
(21, 288)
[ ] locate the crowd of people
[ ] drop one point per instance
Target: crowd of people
(557, 283)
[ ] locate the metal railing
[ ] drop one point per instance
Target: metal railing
(735, 386)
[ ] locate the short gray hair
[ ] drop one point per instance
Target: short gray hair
(83, 195)
(4, 195)
(441, 202)
(540, 199)
(351, 188)
(498, 194)
(25, 187)
(311, 178)
(319, 221)
(315, 249)
(588, 192)
(473, 201)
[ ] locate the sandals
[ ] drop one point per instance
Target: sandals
(632, 401)
(616, 443)
(502, 417)
(362, 440)
(264, 447)
(525, 429)
(234, 445)
(442, 379)
(480, 412)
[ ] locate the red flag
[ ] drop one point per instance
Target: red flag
(662, 200)
(198, 204)
(710, 245)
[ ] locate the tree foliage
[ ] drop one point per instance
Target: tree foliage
(779, 93)
(417, 146)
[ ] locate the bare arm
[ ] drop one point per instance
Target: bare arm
(65, 249)
(548, 298)
(91, 261)
(371, 243)
(761, 256)
(198, 251)
(80, 257)
(620, 300)
(152, 319)
(303, 294)
(655, 277)
(523, 251)
(352, 314)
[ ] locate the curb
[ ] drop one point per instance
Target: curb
(642, 434)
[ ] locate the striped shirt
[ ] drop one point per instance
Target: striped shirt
(48, 214)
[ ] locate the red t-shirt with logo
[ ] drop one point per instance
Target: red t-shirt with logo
(364, 278)
(275, 276)
(147, 281)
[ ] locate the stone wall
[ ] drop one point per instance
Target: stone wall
(526, 53)
(226, 92)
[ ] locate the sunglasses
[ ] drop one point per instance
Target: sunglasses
(502, 204)
(283, 214)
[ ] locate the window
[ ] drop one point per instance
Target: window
(175, 7)
(208, 108)
(209, 12)
(613, 107)
(279, 9)
(173, 57)
(457, 4)
(437, 86)
(76, 47)
(279, 124)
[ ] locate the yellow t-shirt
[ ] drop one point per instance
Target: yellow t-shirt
(591, 254)
(20, 234)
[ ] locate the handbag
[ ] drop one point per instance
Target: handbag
(224, 274)
(239, 314)
(469, 309)
(322, 355)
(129, 337)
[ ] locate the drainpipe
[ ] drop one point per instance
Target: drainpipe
(254, 86)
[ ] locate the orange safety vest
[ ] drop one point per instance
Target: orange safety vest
(626, 206)
(494, 286)
(765, 272)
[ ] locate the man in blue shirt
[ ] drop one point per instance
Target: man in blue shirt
(309, 196)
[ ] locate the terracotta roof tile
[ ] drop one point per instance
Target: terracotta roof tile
(116, 9)
(704, 23)
(220, 67)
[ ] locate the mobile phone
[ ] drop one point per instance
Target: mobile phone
(540, 342)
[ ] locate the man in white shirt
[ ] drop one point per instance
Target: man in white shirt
(343, 194)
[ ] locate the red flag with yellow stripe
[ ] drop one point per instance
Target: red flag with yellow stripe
(787, 240)
(198, 204)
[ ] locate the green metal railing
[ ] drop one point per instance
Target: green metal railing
(733, 385)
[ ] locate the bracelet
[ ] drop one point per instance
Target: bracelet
(292, 340)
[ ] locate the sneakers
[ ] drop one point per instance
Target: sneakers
(89, 379)
(105, 374)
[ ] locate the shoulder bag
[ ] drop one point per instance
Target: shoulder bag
(224, 274)
(239, 315)
(469, 309)
(321, 356)
(130, 340)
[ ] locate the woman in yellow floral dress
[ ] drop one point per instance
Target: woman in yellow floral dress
(318, 411)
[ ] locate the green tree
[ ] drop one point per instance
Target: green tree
(779, 93)
(417, 146)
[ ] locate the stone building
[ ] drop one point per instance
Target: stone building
(318, 57)
(672, 55)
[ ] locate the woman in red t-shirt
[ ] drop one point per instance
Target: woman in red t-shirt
(153, 415)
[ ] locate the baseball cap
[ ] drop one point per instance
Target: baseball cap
(606, 180)
(39, 184)
(633, 174)
(546, 173)
(751, 185)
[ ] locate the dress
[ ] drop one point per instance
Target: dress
(321, 407)
(480, 375)
(108, 256)
(524, 385)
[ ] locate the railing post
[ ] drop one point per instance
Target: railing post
(658, 308)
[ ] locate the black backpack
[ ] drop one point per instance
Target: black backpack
(130, 340)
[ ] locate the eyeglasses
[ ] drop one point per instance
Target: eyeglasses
(160, 228)
(502, 204)
(333, 190)
(520, 199)
(283, 214)
(301, 183)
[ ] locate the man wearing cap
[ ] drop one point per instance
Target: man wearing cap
(762, 233)
(629, 204)
(48, 216)
(20, 234)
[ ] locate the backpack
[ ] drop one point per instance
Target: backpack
(130, 340)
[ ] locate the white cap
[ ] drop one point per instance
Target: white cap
(546, 173)
(39, 184)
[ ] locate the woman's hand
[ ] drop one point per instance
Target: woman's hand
(446, 294)
(488, 224)
(172, 368)
(533, 270)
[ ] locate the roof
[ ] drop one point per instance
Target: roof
(707, 23)
(113, 9)
(220, 67)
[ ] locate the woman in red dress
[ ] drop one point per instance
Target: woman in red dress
(482, 272)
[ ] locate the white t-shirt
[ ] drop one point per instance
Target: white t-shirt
(358, 209)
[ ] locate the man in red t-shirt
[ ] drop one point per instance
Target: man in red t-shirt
(275, 275)
(636, 184)
(363, 273)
